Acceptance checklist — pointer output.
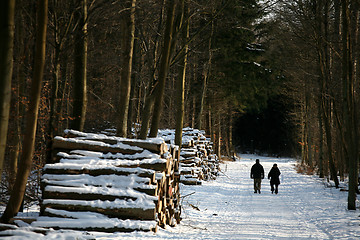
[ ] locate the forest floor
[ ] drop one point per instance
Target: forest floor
(227, 208)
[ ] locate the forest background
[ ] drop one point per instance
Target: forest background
(276, 77)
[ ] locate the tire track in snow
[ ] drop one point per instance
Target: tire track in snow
(300, 204)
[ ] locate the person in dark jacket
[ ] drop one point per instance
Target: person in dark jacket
(274, 178)
(257, 173)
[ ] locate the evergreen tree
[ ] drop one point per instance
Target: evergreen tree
(238, 55)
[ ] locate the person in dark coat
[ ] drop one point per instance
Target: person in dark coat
(257, 173)
(273, 176)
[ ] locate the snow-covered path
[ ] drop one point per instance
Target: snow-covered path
(227, 208)
(303, 209)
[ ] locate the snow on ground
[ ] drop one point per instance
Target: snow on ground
(227, 208)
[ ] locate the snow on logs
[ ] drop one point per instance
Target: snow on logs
(197, 159)
(105, 183)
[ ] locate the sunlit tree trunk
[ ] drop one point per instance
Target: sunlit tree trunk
(150, 94)
(135, 91)
(164, 69)
(31, 117)
(7, 11)
(180, 84)
(127, 46)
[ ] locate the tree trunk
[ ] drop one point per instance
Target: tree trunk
(321, 142)
(80, 85)
(349, 107)
(127, 46)
(135, 91)
(15, 142)
(146, 115)
(53, 118)
(7, 11)
(180, 84)
(164, 69)
(210, 124)
(31, 118)
(204, 80)
(308, 130)
(150, 94)
(231, 148)
(328, 135)
(218, 135)
(324, 79)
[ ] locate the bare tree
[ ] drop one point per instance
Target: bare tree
(80, 69)
(127, 48)
(164, 69)
(17, 195)
(349, 115)
(6, 68)
(180, 83)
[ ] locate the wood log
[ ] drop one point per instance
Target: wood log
(148, 191)
(106, 230)
(159, 205)
(83, 196)
(66, 224)
(78, 144)
(101, 171)
(97, 181)
(169, 166)
(121, 213)
(27, 220)
(159, 148)
(161, 166)
(152, 146)
(190, 160)
(190, 181)
(185, 171)
(143, 189)
(4, 227)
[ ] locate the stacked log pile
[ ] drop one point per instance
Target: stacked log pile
(197, 159)
(105, 183)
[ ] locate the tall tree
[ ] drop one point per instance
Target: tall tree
(61, 23)
(180, 82)
(204, 80)
(152, 58)
(17, 195)
(349, 106)
(323, 50)
(127, 48)
(164, 69)
(7, 27)
(80, 69)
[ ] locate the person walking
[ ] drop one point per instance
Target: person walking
(257, 173)
(273, 176)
